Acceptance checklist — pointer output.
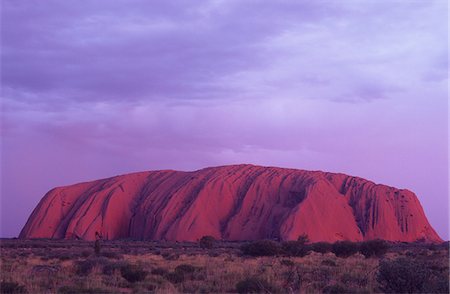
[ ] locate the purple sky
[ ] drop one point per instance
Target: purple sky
(92, 89)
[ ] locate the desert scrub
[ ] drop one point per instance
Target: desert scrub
(255, 285)
(295, 248)
(261, 248)
(287, 262)
(207, 242)
(356, 280)
(374, 248)
(110, 267)
(170, 255)
(345, 248)
(404, 275)
(12, 288)
(133, 273)
(321, 247)
(328, 262)
(159, 271)
(174, 277)
(84, 267)
(111, 254)
(81, 290)
(338, 289)
(185, 272)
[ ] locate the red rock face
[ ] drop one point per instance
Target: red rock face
(240, 202)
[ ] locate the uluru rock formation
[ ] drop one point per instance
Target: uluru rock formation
(237, 202)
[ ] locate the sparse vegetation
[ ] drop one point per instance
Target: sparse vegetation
(254, 285)
(81, 290)
(132, 273)
(303, 238)
(261, 248)
(405, 275)
(97, 247)
(11, 288)
(52, 266)
(84, 267)
(321, 247)
(295, 248)
(344, 248)
(374, 248)
(207, 242)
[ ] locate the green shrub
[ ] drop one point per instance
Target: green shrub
(345, 248)
(404, 275)
(254, 285)
(133, 273)
(261, 248)
(295, 248)
(321, 247)
(374, 248)
(207, 242)
(12, 288)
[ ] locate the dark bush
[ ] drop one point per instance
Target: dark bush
(111, 254)
(404, 275)
(374, 248)
(207, 242)
(85, 253)
(328, 262)
(65, 256)
(254, 285)
(110, 267)
(287, 262)
(159, 271)
(357, 279)
(84, 267)
(261, 248)
(213, 254)
(132, 273)
(321, 247)
(186, 269)
(175, 277)
(97, 247)
(337, 289)
(12, 288)
(345, 248)
(81, 290)
(170, 256)
(303, 238)
(295, 248)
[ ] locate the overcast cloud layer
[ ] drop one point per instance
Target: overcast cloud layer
(100, 88)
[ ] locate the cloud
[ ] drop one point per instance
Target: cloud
(138, 51)
(99, 88)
